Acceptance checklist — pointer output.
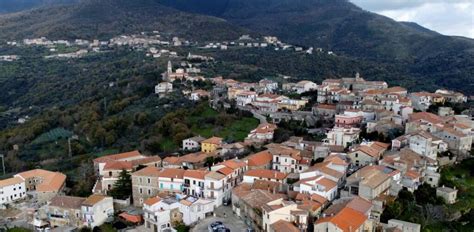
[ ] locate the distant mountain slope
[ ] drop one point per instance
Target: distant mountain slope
(10, 6)
(346, 29)
(107, 18)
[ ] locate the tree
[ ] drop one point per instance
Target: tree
(393, 210)
(425, 194)
(122, 188)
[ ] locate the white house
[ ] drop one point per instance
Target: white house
(193, 143)
(263, 133)
(245, 97)
(270, 175)
(163, 88)
(195, 209)
(305, 86)
(159, 213)
(342, 136)
(12, 189)
(96, 209)
(317, 185)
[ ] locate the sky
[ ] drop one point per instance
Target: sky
(448, 17)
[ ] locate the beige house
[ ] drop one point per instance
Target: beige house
(145, 184)
(368, 183)
(96, 209)
(45, 184)
(448, 194)
(280, 209)
(64, 211)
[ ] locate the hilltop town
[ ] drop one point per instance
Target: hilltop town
(373, 146)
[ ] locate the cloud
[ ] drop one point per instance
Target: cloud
(449, 17)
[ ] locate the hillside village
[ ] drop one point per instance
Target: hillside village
(378, 141)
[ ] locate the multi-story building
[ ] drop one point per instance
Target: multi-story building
(44, 184)
(211, 144)
(342, 136)
(96, 210)
(12, 189)
(193, 143)
(160, 214)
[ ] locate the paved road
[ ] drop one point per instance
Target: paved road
(231, 221)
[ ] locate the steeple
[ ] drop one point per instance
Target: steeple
(170, 67)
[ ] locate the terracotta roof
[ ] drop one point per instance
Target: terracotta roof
(215, 175)
(66, 202)
(196, 174)
(93, 199)
(172, 173)
(146, 160)
(335, 159)
(266, 185)
(10, 181)
(260, 159)
(412, 174)
(368, 150)
(118, 165)
(284, 226)
(360, 204)
(233, 164)
(213, 140)
(198, 157)
(347, 220)
(225, 170)
(433, 118)
(131, 218)
(147, 171)
(120, 156)
(172, 160)
(263, 173)
(50, 181)
(152, 200)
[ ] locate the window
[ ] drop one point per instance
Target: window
(141, 190)
(149, 181)
(356, 155)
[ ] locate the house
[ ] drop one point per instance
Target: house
(244, 98)
(319, 185)
(426, 144)
(346, 220)
(288, 160)
(263, 133)
(215, 187)
(12, 189)
(195, 209)
(163, 88)
(145, 184)
(448, 194)
(251, 175)
(369, 183)
(43, 184)
(109, 167)
(364, 155)
(423, 100)
(194, 182)
(247, 203)
(283, 226)
(342, 136)
(281, 210)
(199, 94)
(64, 211)
(211, 144)
(305, 86)
(96, 209)
(268, 86)
(160, 214)
(193, 143)
(260, 160)
(328, 169)
(324, 110)
(348, 120)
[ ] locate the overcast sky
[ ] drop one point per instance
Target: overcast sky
(449, 17)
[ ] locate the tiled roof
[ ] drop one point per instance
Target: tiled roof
(10, 181)
(172, 173)
(347, 220)
(284, 226)
(147, 171)
(50, 181)
(152, 200)
(263, 173)
(196, 174)
(93, 199)
(213, 140)
(118, 165)
(225, 170)
(120, 156)
(67, 202)
(260, 159)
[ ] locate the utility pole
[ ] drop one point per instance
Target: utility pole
(69, 146)
(3, 163)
